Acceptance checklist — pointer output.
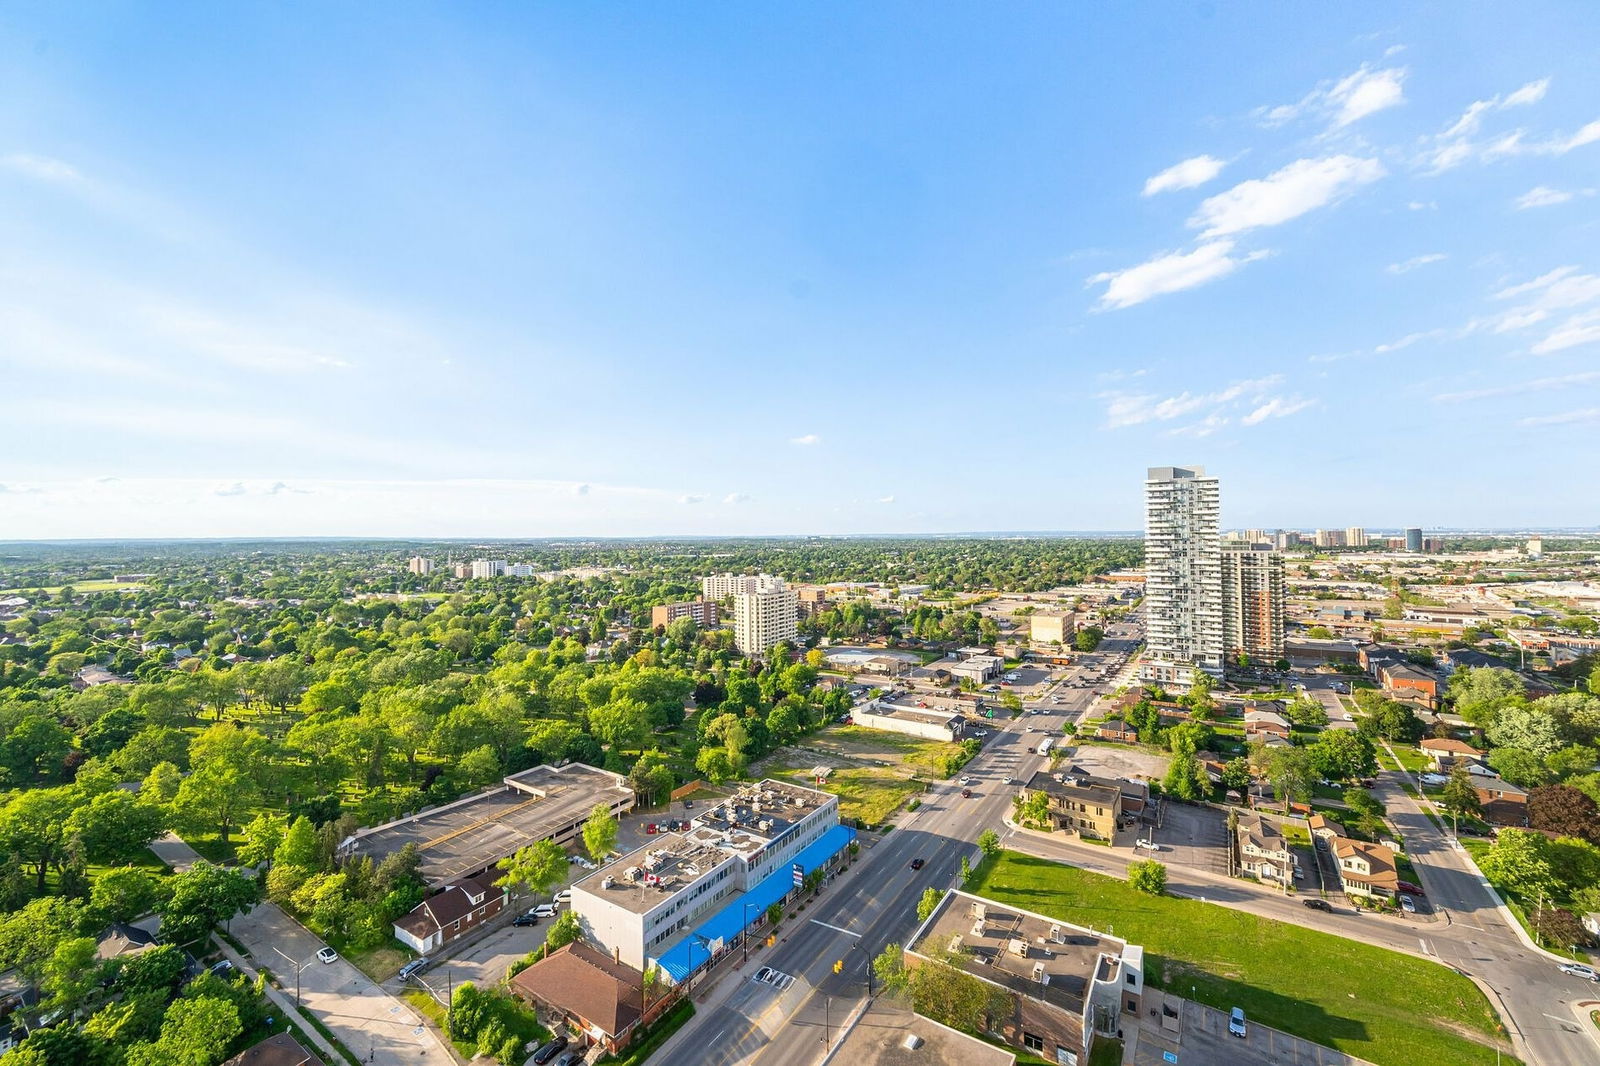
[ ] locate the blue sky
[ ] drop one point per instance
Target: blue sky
(518, 270)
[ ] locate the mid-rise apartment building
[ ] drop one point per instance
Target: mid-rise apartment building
(1329, 538)
(488, 568)
(1252, 602)
(419, 565)
(704, 613)
(519, 570)
(1051, 628)
(1355, 537)
(721, 586)
(764, 614)
(1183, 576)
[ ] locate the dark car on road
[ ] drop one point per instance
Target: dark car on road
(917, 864)
(550, 1050)
(525, 920)
(1320, 905)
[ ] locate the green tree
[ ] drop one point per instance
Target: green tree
(928, 903)
(1148, 875)
(1517, 860)
(161, 784)
(71, 973)
(33, 828)
(989, 843)
(195, 1032)
(538, 868)
(565, 930)
(1291, 774)
(215, 796)
(1342, 755)
(116, 826)
(121, 895)
(203, 897)
(600, 832)
(1480, 692)
(1526, 726)
(1460, 796)
(1236, 776)
(890, 968)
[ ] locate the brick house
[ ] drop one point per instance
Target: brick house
(1407, 681)
(450, 913)
(1118, 730)
(1084, 808)
(1446, 752)
(593, 993)
(1503, 803)
(1265, 724)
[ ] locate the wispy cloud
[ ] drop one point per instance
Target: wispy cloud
(1586, 414)
(736, 497)
(1460, 141)
(1169, 272)
(691, 499)
(42, 168)
(1355, 96)
(1544, 196)
(1576, 330)
(1414, 262)
(1185, 175)
(1288, 193)
(1256, 398)
(1517, 388)
(1412, 338)
(807, 439)
(885, 499)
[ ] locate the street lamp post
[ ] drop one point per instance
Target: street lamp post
(746, 936)
(298, 966)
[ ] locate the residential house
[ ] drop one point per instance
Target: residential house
(1324, 827)
(452, 912)
(1118, 730)
(280, 1049)
(119, 940)
(1263, 853)
(1077, 805)
(1365, 869)
(1591, 923)
(1407, 681)
(1265, 724)
(592, 992)
(1446, 752)
(1503, 803)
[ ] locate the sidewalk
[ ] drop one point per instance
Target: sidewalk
(172, 850)
(282, 1002)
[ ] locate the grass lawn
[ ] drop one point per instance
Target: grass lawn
(102, 585)
(866, 793)
(381, 963)
(916, 752)
(1321, 987)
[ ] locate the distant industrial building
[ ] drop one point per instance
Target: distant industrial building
(704, 613)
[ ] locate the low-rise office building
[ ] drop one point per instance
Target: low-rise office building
(1063, 985)
(1051, 628)
(978, 668)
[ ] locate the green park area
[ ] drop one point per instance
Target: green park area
(1369, 1002)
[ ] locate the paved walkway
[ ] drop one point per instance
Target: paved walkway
(374, 1025)
(171, 850)
(283, 1003)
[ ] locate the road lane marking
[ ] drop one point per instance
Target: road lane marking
(835, 928)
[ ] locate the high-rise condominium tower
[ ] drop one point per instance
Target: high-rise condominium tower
(1252, 603)
(1183, 575)
(765, 611)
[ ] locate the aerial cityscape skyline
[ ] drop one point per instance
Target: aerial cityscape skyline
(465, 264)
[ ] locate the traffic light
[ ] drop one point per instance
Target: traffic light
(838, 966)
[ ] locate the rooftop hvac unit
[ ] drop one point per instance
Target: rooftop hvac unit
(979, 911)
(955, 943)
(911, 1042)
(977, 927)
(1039, 974)
(632, 874)
(1055, 933)
(1019, 947)
(606, 882)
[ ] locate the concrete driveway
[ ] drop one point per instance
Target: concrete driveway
(371, 1023)
(485, 962)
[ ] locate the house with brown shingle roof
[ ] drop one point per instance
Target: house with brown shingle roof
(1366, 869)
(596, 995)
(452, 912)
(1265, 723)
(1118, 730)
(1263, 853)
(1321, 825)
(1503, 803)
(1446, 752)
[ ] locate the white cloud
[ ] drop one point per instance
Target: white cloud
(1350, 99)
(1586, 414)
(1518, 387)
(1367, 92)
(1542, 196)
(885, 499)
(1185, 175)
(42, 168)
(1530, 93)
(1458, 142)
(1290, 192)
(1422, 205)
(1276, 407)
(691, 499)
(1415, 261)
(809, 438)
(1125, 409)
(235, 489)
(736, 497)
(1203, 428)
(1579, 329)
(1411, 338)
(1169, 272)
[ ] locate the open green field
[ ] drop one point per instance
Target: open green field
(866, 793)
(927, 756)
(104, 585)
(1369, 1002)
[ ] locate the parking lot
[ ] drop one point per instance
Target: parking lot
(1196, 837)
(1103, 760)
(1202, 1037)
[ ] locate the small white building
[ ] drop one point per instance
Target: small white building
(979, 668)
(913, 721)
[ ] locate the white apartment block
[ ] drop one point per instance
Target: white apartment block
(721, 586)
(765, 614)
(642, 904)
(488, 568)
(419, 565)
(1329, 538)
(1183, 576)
(1355, 537)
(1252, 603)
(519, 570)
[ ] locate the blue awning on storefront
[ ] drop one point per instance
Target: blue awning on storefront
(745, 910)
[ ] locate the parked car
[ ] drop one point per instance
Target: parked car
(966, 793)
(1148, 845)
(563, 897)
(571, 1058)
(543, 910)
(525, 920)
(412, 968)
(1415, 890)
(688, 805)
(328, 955)
(917, 864)
(1319, 905)
(1578, 969)
(652, 829)
(550, 1050)
(1236, 1022)
(1408, 904)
